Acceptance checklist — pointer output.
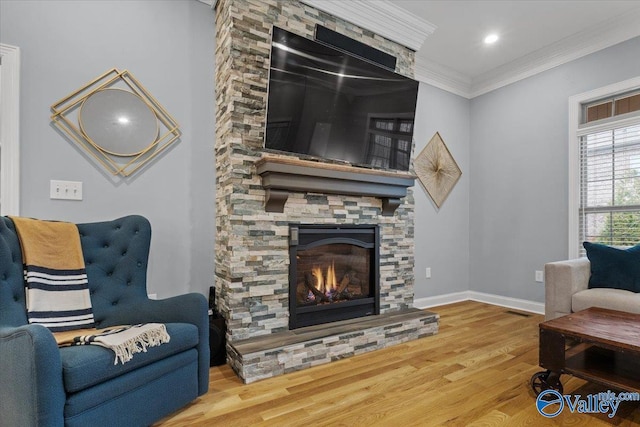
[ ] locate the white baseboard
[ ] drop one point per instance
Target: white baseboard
(441, 299)
(515, 303)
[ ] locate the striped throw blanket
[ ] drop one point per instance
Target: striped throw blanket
(124, 341)
(57, 287)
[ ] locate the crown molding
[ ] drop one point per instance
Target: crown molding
(396, 24)
(602, 36)
(596, 38)
(210, 3)
(380, 16)
(442, 77)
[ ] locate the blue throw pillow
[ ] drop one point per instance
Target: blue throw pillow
(614, 268)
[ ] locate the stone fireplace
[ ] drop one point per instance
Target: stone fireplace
(333, 273)
(364, 286)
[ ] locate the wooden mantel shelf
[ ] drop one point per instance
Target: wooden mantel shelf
(280, 176)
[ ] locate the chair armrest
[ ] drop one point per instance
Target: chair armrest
(562, 280)
(188, 308)
(31, 389)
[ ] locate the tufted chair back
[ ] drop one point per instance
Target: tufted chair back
(12, 297)
(116, 254)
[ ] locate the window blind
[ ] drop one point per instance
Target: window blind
(613, 106)
(610, 183)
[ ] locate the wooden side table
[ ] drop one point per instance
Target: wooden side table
(596, 344)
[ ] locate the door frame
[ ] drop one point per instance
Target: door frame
(10, 130)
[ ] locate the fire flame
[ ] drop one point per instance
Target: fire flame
(325, 283)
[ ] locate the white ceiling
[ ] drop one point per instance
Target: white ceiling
(534, 34)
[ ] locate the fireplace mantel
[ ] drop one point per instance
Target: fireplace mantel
(280, 176)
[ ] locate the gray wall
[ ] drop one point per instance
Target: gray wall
(442, 235)
(169, 48)
(519, 183)
(505, 218)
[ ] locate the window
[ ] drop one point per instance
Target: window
(613, 106)
(610, 186)
(389, 144)
(605, 146)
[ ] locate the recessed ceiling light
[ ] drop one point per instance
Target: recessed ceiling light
(491, 39)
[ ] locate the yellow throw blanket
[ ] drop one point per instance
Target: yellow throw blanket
(57, 287)
(124, 341)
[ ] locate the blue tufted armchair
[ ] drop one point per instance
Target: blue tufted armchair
(43, 385)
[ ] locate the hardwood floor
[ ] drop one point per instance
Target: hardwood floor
(474, 372)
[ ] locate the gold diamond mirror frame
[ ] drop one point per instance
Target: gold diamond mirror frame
(67, 117)
(437, 170)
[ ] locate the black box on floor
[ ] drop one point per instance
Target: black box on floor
(217, 340)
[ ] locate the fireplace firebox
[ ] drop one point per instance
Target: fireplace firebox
(333, 273)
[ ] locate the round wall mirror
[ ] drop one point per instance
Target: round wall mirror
(118, 122)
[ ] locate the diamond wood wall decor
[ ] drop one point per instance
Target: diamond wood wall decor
(437, 170)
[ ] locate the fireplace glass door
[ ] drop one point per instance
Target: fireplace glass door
(333, 274)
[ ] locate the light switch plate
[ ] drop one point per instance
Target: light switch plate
(65, 190)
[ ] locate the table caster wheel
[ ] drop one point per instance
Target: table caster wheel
(545, 380)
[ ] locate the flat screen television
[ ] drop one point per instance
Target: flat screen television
(328, 104)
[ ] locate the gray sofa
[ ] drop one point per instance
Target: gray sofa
(566, 290)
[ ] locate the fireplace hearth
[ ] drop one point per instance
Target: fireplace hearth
(333, 273)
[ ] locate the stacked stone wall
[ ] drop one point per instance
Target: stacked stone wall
(252, 258)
